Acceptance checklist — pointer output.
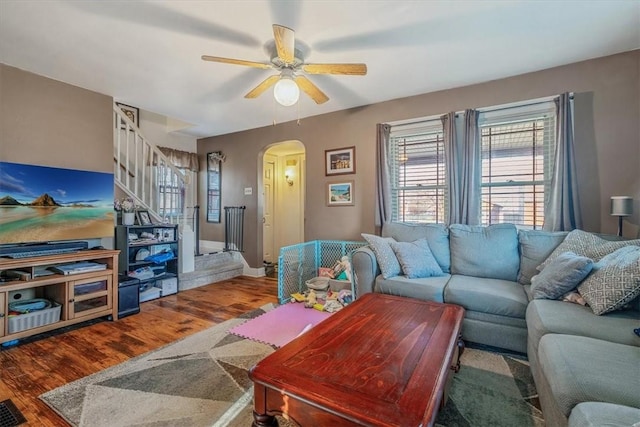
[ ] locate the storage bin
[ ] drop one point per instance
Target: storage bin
(35, 319)
(301, 262)
(338, 285)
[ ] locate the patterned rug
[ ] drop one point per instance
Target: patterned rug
(202, 381)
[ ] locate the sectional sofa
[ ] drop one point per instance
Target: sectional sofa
(586, 366)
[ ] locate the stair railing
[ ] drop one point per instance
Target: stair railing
(145, 174)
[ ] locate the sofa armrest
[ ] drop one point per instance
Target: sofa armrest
(365, 269)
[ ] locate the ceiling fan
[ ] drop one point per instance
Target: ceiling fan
(290, 63)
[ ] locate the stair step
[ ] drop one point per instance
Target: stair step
(208, 261)
(201, 277)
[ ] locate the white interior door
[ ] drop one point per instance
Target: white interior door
(269, 169)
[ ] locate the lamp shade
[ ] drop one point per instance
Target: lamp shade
(621, 205)
(286, 91)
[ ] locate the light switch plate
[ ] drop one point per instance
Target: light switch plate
(248, 191)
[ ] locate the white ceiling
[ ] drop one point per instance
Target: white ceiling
(147, 54)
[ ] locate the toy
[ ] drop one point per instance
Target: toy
(345, 297)
(342, 269)
(298, 297)
(332, 306)
(311, 299)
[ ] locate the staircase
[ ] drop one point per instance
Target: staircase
(146, 175)
(210, 268)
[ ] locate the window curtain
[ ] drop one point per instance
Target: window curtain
(181, 159)
(562, 210)
(383, 181)
(471, 157)
(452, 174)
(463, 159)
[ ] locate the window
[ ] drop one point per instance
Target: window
(170, 192)
(417, 172)
(517, 147)
(213, 186)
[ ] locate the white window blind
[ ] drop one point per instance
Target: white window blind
(517, 146)
(417, 172)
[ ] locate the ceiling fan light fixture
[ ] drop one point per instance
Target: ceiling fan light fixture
(286, 91)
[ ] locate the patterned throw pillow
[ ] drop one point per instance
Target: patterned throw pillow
(614, 282)
(389, 265)
(587, 244)
(416, 259)
(560, 276)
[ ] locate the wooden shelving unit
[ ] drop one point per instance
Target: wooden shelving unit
(153, 239)
(77, 297)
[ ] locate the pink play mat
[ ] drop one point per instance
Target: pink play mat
(280, 325)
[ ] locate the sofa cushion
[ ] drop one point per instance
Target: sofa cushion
(490, 252)
(493, 296)
(589, 245)
(436, 234)
(599, 414)
(416, 259)
(560, 276)
(559, 317)
(535, 247)
(389, 265)
(580, 369)
(430, 288)
(614, 282)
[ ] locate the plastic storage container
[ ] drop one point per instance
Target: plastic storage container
(35, 319)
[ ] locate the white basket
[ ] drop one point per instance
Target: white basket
(34, 319)
(318, 283)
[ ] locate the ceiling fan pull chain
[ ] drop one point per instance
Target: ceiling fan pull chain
(298, 108)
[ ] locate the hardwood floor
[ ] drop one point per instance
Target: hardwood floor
(33, 368)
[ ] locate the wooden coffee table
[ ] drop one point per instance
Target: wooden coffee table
(381, 361)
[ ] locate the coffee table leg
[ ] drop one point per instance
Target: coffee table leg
(456, 366)
(263, 420)
(260, 417)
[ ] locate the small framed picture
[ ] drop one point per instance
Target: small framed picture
(340, 193)
(340, 161)
(143, 217)
(132, 114)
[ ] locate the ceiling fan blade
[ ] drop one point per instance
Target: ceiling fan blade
(350, 69)
(285, 42)
(236, 62)
(312, 90)
(266, 84)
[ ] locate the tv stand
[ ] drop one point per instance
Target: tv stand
(74, 298)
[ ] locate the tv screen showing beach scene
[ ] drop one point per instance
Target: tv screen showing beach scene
(42, 204)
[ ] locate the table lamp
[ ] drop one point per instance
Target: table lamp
(621, 206)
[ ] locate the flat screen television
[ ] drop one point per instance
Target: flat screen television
(46, 204)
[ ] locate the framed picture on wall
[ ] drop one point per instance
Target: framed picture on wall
(340, 161)
(132, 114)
(340, 193)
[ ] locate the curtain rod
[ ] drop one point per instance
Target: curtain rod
(536, 101)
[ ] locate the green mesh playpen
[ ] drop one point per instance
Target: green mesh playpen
(299, 263)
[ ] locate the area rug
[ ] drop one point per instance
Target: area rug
(202, 380)
(281, 325)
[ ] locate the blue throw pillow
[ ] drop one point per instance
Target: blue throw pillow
(614, 282)
(389, 266)
(416, 259)
(437, 236)
(490, 251)
(560, 276)
(535, 247)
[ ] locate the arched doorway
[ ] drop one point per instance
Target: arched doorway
(282, 201)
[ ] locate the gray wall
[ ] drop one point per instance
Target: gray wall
(607, 109)
(50, 123)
